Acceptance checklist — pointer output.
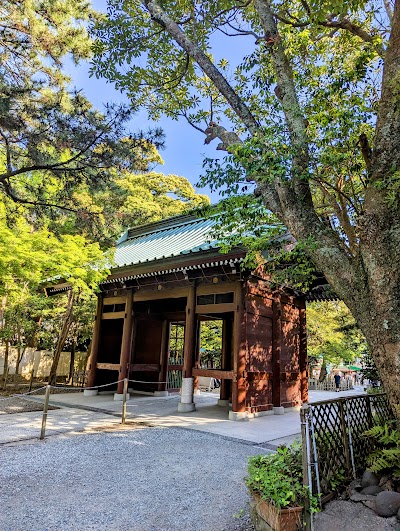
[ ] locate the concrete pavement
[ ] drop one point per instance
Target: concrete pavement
(80, 413)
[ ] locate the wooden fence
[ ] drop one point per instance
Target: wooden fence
(329, 384)
(334, 450)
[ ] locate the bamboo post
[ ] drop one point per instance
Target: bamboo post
(345, 438)
(306, 465)
(31, 379)
(45, 408)
(125, 392)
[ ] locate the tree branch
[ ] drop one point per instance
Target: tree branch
(347, 25)
(240, 108)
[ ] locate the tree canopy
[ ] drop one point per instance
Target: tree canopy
(309, 118)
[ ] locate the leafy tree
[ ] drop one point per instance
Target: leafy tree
(51, 139)
(332, 335)
(310, 117)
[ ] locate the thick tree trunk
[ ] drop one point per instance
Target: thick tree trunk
(323, 372)
(67, 320)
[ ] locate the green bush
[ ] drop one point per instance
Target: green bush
(386, 456)
(278, 477)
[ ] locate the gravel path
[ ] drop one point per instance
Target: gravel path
(154, 479)
(19, 405)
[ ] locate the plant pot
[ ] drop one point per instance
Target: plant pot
(266, 516)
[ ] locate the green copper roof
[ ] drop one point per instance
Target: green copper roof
(181, 235)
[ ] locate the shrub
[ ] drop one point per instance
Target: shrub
(278, 477)
(386, 456)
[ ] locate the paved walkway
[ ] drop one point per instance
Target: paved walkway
(78, 413)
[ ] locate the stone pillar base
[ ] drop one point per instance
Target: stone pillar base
(279, 410)
(161, 393)
(222, 402)
(120, 396)
(197, 392)
(238, 415)
(186, 408)
(90, 392)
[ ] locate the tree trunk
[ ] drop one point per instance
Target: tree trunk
(72, 362)
(323, 373)
(6, 354)
(67, 321)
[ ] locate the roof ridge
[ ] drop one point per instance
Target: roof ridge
(160, 226)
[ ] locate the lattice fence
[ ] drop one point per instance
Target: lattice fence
(334, 451)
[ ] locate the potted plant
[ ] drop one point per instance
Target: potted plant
(276, 483)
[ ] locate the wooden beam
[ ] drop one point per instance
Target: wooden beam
(213, 373)
(113, 315)
(190, 334)
(143, 295)
(94, 350)
(276, 352)
(126, 343)
(215, 308)
(108, 366)
(114, 300)
(143, 367)
(224, 287)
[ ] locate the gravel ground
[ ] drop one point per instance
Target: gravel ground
(19, 405)
(154, 479)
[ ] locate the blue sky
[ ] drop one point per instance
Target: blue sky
(185, 149)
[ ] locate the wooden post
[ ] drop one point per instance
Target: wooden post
(126, 343)
(186, 403)
(226, 356)
(305, 440)
(276, 352)
(45, 409)
(125, 382)
(95, 343)
(190, 334)
(239, 356)
(31, 379)
(303, 353)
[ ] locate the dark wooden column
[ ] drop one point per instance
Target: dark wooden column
(276, 352)
(303, 353)
(226, 356)
(126, 344)
(94, 350)
(190, 334)
(162, 377)
(239, 355)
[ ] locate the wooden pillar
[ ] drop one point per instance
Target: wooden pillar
(162, 377)
(186, 403)
(303, 353)
(94, 351)
(226, 356)
(239, 358)
(197, 357)
(276, 352)
(126, 344)
(190, 334)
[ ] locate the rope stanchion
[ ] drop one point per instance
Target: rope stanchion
(21, 395)
(45, 409)
(86, 388)
(123, 419)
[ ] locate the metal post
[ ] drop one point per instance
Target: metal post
(45, 408)
(125, 392)
(306, 465)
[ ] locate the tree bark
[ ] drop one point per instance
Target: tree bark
(367, 275)
(66, 324)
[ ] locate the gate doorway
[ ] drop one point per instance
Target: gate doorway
(175, 355)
